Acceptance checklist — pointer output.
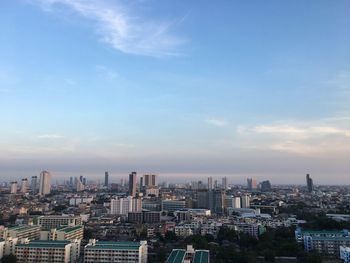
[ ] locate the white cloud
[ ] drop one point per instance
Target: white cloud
(325, 136)
(50, 136)
(122, 29)
(217, 122)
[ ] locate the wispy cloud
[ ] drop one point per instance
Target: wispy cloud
(50, 136)
(106, 72)
(314, 137)
(124, 30)
(217, 122)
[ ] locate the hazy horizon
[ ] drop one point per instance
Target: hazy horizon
(258, 88)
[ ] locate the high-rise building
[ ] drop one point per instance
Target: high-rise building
(122, 206)
(13, 189)
(265, 185)
(309, 183)
(24, 186)
(210, 183)
(132, 184)
(34, 185)
(149, 180)
(245, 201)
(224, 183)
(106, 179)
(44, 183)
(252, 184)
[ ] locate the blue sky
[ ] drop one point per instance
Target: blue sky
(183, 88)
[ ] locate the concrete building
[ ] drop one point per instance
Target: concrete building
(173, 205)
(34, 251)
(224, 183)
(132, 184)
(55, 221)
(210, 183)
(34, 185)
(24, 186)
(106, 179)
(245, 201)
(124, 205)
(149, 180)
(116, 252)
(63, 233)
(13, 189)
(44, 183)
(252, 184)
(23, 231)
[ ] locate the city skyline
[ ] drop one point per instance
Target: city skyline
(258, 90)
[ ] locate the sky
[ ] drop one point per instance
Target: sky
(184, 89)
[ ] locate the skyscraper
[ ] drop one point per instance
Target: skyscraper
(34, 185)
(106, 179)
(252, 184)
(132, 184)
(149, 180)
(210, 183)
(224, 183)
(24, 186)
(309, 183)
(13, 189)
(44, 183)
(265, 185)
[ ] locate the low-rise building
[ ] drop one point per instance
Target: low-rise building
(34, 251)
(116, 252)
(55, 221)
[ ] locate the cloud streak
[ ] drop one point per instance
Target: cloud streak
(117, 26)
(216, 122)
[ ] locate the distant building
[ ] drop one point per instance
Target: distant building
(55, 221)
(132, 184)
(224, 183)
(24, 186)
(265, 185)
(106, 179)
(210, 183)
(309, 183)
(173, 205)
(34, 185)
(13, 189)
(124, 205)
(149, 180)
(63, 233)
(245, 201)
(115, 252)
(44, 183)
(252, 184)
(233, 201)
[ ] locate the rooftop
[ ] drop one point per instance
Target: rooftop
(201, 256)
(177, 256)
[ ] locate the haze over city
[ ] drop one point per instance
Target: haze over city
(184, 89)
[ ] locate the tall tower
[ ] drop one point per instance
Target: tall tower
(44, 183)
(132, 184)
(224, 183)
(149, 180)
(13, 189)
(34, 185)
(24, 186)
(106, 179)
(309, 183)
(210, 183)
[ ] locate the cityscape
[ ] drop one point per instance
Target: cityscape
(174, 131)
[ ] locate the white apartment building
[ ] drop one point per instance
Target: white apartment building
(116, 252)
